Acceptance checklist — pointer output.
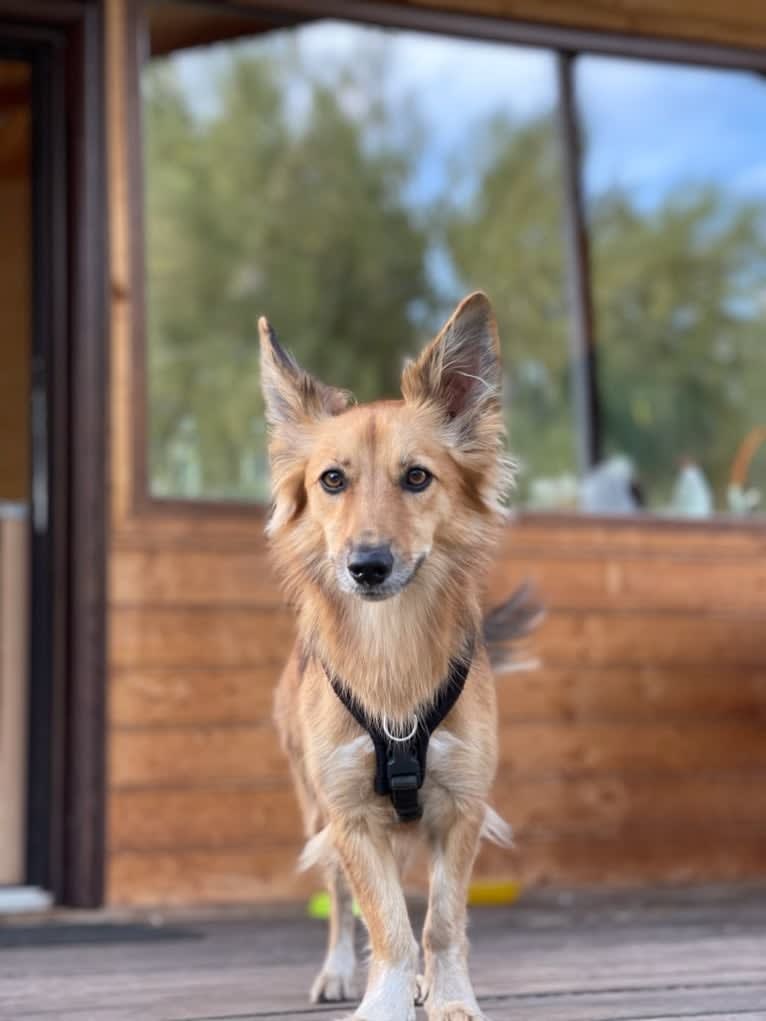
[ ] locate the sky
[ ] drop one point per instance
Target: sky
(650, 127)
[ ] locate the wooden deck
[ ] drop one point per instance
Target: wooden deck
(693, 954)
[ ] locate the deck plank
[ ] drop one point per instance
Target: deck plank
(692, 954)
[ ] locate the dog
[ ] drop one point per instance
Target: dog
(384, 520)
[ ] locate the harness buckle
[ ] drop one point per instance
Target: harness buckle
(404, 781)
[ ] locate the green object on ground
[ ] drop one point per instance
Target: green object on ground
(319, 906)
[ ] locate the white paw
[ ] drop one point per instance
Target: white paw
(364, 1015)
(454, 1011)
(390, 994)
(335, 982)
(421, 990)
(332, 988)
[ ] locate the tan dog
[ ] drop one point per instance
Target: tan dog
(385, 517)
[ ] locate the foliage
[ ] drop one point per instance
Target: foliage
(508, 239)
(681, 353)
(296, 196)
(255, 210)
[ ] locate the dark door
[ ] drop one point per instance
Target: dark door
(15, 456)
(52, 449)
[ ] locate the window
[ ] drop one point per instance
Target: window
(354, 182)
(675, 179)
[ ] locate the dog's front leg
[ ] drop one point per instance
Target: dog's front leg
(365, 850)
(335, 982)
(447, 986)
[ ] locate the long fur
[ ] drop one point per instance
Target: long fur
(394, 654)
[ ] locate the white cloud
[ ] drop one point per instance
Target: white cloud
(463, 77)
(649, 126)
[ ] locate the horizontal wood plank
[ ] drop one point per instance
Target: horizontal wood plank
(189, 697)
(205, 637)
(161, 526)
(203, 819)
(192, 757)
(251, 754)
(606, 805)
(190, 578)
(206, 530)
(651, 638)
(209, 637)
(603, 579)
(207, 877)
(171, 697)
(715, 806)
(607, 580)
(633, 857)
(632, 693)
(555, 534)
(664, 749)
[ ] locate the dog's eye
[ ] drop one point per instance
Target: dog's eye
(333, 480)
(417, 479)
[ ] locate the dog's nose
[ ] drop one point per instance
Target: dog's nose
(370, 565)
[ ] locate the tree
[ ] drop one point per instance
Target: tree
(255, 210)
(678, 294)
(677, 317)
(296, 196)
(508, 239)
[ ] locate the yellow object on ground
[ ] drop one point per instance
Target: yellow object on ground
(480, 893)
(485, 892)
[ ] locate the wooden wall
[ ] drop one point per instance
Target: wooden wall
(635, 755)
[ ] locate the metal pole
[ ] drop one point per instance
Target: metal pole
(582, 345)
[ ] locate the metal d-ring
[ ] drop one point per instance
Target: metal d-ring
(400, 740)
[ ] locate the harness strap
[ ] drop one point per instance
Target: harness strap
(400, 765)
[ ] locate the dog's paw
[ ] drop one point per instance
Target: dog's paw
(454, 1011)
(373, 1016)
(332, 988)
(421, 990)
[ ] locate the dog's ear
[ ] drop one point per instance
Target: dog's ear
(291, 395)
(294, 400)
(460, 370)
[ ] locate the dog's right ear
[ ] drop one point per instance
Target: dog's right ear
(291, 395)
(294, 400)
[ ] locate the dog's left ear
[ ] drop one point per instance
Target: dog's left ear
(292, 396)
(460, 370)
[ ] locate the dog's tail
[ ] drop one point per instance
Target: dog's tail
(507, 623)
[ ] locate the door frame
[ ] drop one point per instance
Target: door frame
(63, 40)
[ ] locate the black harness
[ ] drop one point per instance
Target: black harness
(400, 763)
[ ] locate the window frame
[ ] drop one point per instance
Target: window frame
(565, 44)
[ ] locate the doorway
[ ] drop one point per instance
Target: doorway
(53, 400)
(15, 457)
